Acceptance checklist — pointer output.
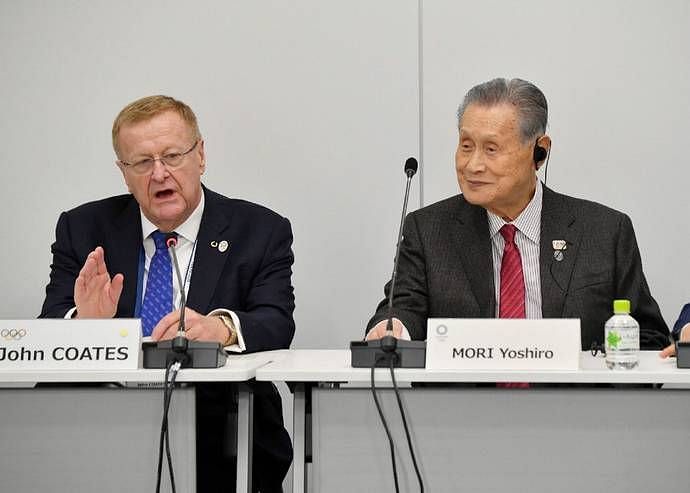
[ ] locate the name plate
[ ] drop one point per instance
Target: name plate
(503, 344)
(59, 344)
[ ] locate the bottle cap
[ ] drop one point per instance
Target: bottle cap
(621, 306)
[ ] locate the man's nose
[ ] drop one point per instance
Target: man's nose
(159, 171)
(475, 162)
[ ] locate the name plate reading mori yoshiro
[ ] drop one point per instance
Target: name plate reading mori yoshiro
(503, 344)
(59, 344)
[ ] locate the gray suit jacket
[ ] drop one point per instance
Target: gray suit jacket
(446, 268)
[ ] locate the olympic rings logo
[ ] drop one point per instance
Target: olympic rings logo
(12, 334)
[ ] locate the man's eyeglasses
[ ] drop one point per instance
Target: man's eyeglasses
(172, 160)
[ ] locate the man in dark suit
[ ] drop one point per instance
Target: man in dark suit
(236, 260)
(574, 256)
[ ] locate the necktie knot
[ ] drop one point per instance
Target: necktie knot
(159, 239)
(508, 233)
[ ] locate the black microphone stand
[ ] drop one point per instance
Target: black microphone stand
(180, 343)
(391, 352)
(404, 354)
(388, 342)
(190, 354)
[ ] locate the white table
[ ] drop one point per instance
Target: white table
(487, 439)
(74, 438)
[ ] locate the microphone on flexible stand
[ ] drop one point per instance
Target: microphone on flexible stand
(180, 342)
(191, 354)
(389, 351)
(388, 342)
(407, 354)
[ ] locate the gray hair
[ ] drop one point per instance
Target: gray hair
(527, 99)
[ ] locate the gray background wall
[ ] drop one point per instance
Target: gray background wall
(310, 107)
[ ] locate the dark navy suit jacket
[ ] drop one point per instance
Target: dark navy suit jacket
(683, 318)
(252, 278)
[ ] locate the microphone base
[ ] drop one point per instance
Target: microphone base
(410, 354)
(198, 355)
(683, 354)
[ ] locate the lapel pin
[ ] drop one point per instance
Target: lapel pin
(559, 244)
(222, 246)
(558, 247)
(214, 244)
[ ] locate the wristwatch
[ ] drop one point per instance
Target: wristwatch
(232, 332)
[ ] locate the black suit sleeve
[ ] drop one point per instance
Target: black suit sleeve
(64, 271)
(631, 284)
(683, 318)
(410, 300)
(266, 319)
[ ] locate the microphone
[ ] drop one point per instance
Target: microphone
(389, 342)
(180, 341)
(411, 166)
(190, 354)
(405, 354)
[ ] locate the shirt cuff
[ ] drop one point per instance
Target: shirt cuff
(239, 346)
(70, 312)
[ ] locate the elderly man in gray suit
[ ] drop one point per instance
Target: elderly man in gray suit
(510, 247)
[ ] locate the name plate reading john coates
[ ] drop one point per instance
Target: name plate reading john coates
(502, 344)
(58, 344)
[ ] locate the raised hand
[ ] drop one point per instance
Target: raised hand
(95, 293)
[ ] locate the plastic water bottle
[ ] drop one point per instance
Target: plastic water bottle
(622, 338)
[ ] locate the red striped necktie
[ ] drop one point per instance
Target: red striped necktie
(512, 278)
(512, 302)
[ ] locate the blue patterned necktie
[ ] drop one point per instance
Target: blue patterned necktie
(158, 300)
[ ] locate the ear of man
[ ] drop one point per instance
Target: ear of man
(541, 150)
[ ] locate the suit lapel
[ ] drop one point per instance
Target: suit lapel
(122, 249)
(208, 259)
(557, 223)
(474, 245)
